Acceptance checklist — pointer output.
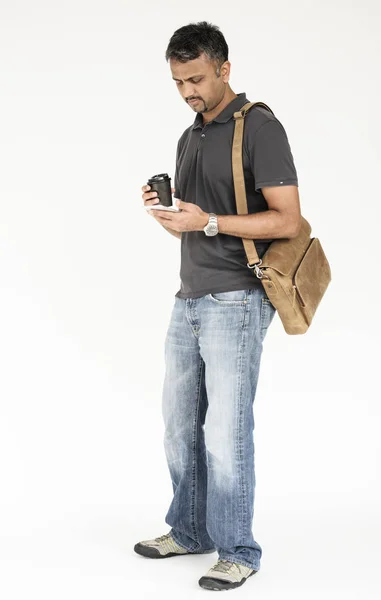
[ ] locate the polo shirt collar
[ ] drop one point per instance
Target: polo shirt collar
(226, 114)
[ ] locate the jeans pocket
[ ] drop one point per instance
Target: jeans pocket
(267, 313)
(238, 297)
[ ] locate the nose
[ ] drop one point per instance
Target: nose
(188, 92)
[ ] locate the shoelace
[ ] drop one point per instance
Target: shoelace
(224, 566)
(162, 537)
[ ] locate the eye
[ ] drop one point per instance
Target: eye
(178, 82)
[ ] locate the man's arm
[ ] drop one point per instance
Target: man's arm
(281, 220)
(172, 231)
(274, 171)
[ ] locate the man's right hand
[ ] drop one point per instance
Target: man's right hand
(151, 198)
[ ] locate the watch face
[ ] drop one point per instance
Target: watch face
(211, 229)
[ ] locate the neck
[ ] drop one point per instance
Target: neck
(228, 97)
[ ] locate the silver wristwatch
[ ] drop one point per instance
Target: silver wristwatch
(212, 227)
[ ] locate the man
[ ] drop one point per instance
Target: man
(221, 313)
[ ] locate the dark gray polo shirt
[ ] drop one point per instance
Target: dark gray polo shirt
(204, 176)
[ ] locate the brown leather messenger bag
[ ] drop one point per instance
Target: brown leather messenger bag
(295, 272)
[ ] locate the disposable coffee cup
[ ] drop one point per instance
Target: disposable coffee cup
(161, 184)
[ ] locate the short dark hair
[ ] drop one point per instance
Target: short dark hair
(188, 42)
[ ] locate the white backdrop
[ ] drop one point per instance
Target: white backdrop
(87, 281)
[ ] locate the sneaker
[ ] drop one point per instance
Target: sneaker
(164, 547)
(225, 575)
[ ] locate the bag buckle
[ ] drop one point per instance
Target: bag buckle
(258, 271)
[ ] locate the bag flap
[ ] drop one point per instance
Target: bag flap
(313, 274)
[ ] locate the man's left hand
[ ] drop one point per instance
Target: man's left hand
(191, 217)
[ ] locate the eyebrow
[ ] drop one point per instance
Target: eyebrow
(193, 77)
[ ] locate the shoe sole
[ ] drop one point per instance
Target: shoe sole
(149, 552)
(211, 583)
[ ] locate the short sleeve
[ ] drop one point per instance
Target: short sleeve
(271, 157)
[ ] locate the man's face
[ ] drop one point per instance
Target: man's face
(197, 80)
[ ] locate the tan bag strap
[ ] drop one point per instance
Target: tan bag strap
(238, 176)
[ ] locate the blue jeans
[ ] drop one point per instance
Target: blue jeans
(213, 350)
